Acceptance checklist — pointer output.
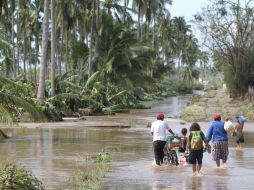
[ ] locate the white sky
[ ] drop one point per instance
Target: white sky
(187, 8)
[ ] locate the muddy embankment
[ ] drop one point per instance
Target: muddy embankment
(202, 108)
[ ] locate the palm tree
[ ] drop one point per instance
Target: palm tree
(7, 30)
(126, 3)
(91, 43)
(4, 41)
(5, 47)
(140, 6)
(43, 62)
(156, 9)
(53, 47)
(203, 59)
(13, 7)
(67, 13)
(121, 59)
(36, 31)
(190, 55)
(24, 31)
(181, 30)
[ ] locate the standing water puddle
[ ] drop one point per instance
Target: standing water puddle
(53, 154)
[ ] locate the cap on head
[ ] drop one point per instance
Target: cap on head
(160, 116)
(216, 117)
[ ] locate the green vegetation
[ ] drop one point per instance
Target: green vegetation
(228, 28)
(248, 109)
(103, 157)
(198, 86)
(14, 102)
(195, 111)
(14, 178)
(100, 55)
(90, 176)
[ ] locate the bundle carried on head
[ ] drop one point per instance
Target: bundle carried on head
(241, 119)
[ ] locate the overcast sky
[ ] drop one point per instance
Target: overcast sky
(187, 8)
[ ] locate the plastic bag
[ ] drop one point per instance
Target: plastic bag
(229, 127)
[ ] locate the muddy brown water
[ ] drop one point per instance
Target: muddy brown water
(52, 152)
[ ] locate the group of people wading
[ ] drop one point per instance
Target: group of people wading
(217, 133)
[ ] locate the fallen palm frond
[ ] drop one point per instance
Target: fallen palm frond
(91, 80)
(11, 104)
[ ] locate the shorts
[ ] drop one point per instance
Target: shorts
(196, 156)
(239, 138)
(220, 150)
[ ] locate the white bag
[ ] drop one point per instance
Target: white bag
(229, 127)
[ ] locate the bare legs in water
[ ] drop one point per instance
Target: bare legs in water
(196, 168)
(218, 163)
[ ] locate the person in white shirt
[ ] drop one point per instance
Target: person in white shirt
(159, 130)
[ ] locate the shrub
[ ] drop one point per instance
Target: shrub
(103, 157)
(184, 88)
(198, 86)
(194, 112)
(89, 177)
(14, 178)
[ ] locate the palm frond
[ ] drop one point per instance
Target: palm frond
(7, 100)
(63, 96)
(12, 86)
(116, 95)
(4, 81)
(91, 79)
(65, 84)
(5, 116)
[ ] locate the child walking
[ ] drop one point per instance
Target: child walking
(239, 131)
(184, 157)
(184, 140)
(195, 147)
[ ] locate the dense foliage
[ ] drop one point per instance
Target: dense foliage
(228, 30)
(100, 55)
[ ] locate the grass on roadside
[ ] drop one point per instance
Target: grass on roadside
(193, 113)
(90, 176)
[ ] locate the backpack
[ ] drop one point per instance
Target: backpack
(196, 140)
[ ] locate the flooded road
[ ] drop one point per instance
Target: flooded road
(54, 153)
